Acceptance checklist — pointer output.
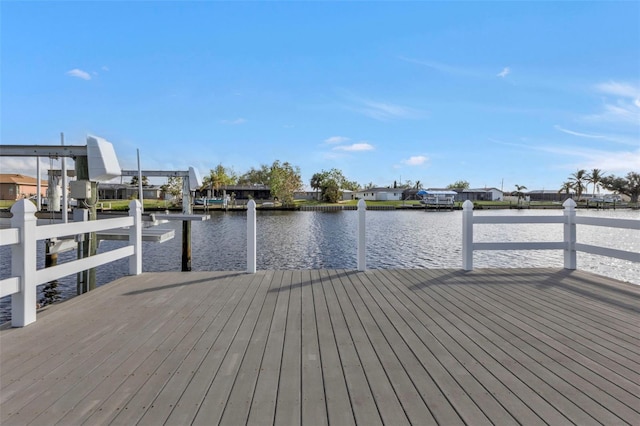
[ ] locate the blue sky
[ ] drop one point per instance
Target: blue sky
(495, 93)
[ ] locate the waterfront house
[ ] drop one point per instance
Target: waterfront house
(123, 191)
(306, 193)
(380, 194)
(548, 195)
(238, 192)
(480, 194)
(309, 194)
(16, 186)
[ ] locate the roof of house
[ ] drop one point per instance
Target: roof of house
(481, 190)
(546, 191)
(470, 190)
(106, 185)
(255, 187)
(381, 190)
(19, 179)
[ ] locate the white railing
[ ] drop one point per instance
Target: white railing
(251, 237)
(23, 236)
(570, 247)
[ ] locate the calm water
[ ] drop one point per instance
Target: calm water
(395, 239)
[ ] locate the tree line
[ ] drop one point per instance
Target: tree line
(579, 182)
(283, 179)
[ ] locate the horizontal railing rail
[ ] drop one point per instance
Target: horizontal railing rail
(569, 245)
(58, 230)
(23, 236)
(608, 222)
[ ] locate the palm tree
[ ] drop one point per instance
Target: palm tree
(595, 178)
(219, 177)
(316, 182)
(578, 180)
(519, 192)
(566, 188)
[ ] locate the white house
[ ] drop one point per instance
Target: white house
(480, 194)
(380, 194)
(308, 193)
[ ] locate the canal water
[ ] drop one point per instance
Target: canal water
(395, 239)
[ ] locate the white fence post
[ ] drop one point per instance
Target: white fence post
(362, 237)
(570, 261)
(251, 237)
(467, 235)
(23, 263)
(135, 238)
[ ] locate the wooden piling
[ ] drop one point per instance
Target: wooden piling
(186, 245)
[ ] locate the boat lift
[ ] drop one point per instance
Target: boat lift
(97, 162)
(190, 182)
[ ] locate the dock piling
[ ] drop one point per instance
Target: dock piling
(251, 237)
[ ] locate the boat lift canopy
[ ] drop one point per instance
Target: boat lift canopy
(424, 192)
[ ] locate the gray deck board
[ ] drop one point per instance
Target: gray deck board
(389, 406)
(288, 403)
(336, 392)
(492, 346)
(263, 403)
(314, 406)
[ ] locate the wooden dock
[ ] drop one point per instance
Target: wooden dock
(313, 347)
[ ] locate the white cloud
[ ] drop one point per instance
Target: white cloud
(105, 68)
(385, 111)
(79, 74)
(626, 140)
(625, 90)
(28, 166)
(620, 112)
(611, 162)
(616, 162)
(362, 146)
(336, 139)
(505, 72)
(416, 160)
(444, 68)
(234, 122)
(626, 109)
(583, 135)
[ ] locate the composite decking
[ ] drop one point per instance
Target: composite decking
(313, 347)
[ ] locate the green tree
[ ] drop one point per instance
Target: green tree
(317, 181)
(595, 178)
(284, 180)
(173, 187)
(351, 185)
(331, 191)
(255, 176)
(331, 184)
(134, 181)
(219, 177)
(460, 184)
(578, 182)
(628, 185)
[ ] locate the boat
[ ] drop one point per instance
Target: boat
(207, 201)
(437, 198)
